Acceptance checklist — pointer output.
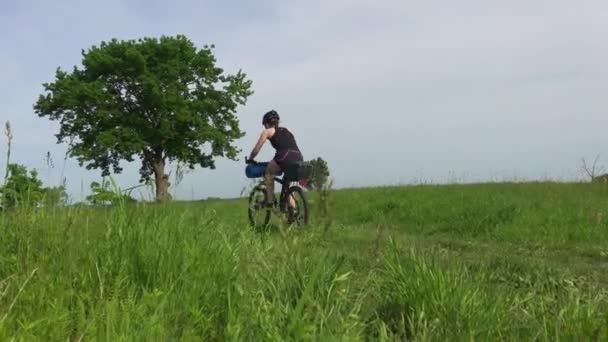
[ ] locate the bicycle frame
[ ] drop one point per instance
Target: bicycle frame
(291, 189)
(284, 188)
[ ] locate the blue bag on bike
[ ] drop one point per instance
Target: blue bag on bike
(256, 170)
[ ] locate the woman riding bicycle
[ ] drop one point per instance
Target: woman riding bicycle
(287, 151)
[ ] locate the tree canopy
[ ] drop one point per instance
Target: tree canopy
(156, 100)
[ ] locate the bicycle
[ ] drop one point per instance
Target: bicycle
(292, 184)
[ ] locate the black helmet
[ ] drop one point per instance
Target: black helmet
(270, 116)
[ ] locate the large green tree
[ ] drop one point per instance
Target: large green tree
(158, 100)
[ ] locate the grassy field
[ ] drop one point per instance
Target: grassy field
(454, 262)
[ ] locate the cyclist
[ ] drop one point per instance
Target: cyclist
(287, 151)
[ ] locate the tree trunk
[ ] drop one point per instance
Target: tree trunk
(161, 180)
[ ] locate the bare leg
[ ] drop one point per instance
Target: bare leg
(291, 209)
(292, 201)
(271, 170)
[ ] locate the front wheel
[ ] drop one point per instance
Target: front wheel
(259, 215)
(299, 214)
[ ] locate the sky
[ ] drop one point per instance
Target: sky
(387, 92)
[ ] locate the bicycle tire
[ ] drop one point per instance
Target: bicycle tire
(304, 210)
(251, 211)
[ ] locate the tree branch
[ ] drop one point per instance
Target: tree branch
(593, 170)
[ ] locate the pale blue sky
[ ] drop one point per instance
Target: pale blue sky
(386, 91)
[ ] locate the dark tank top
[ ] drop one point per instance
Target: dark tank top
(283, 140)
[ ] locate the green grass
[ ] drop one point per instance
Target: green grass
(455, 262)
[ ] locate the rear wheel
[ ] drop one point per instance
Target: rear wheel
(299, 214)
(259, 215)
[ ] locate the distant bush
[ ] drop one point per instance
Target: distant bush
(21, 187)
(320, 174)
(103, 194)
(601, 178)
(55, 196)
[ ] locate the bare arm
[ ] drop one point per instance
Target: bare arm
(267, 133)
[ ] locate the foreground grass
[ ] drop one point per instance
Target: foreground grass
(495, 261)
